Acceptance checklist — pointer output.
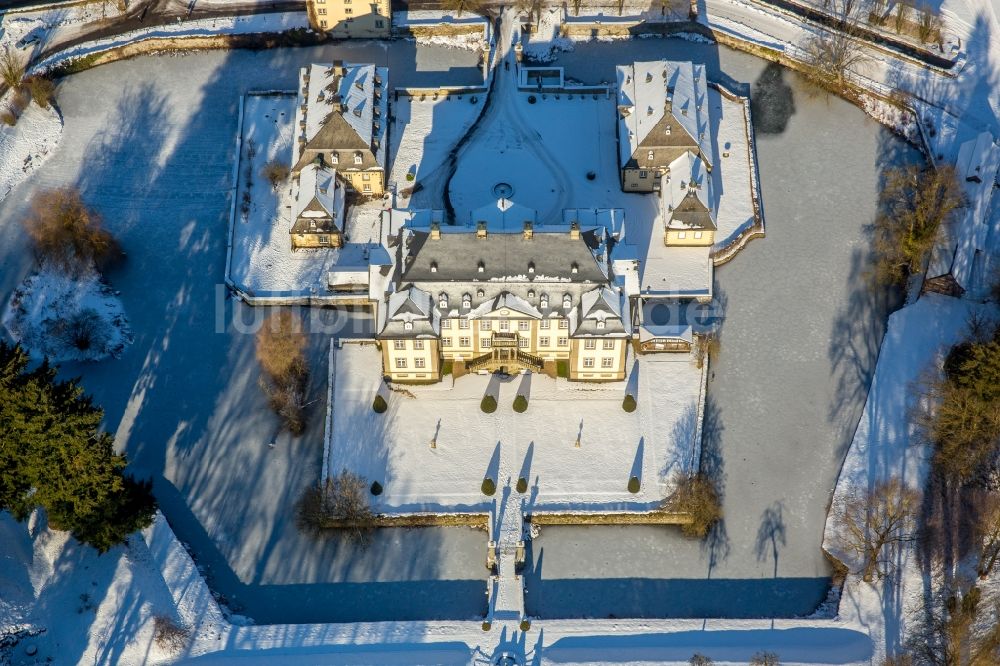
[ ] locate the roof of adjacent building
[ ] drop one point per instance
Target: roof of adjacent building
(600, 314)
(687, 195)
(410, 312)
(318, 206)
(338, 106)
(644, 90)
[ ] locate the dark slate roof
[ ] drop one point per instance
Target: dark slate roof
(503, 256)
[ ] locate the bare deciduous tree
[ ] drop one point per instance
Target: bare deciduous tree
(11, 68)
(460, 6)
(276, 171)
(764, 658)
(953, 633)
(697, 496)
(67, 233)
(987, 526)
(874, 522)
(280, 346)
(915, 202)
(169, 635)
(341, 502)
(830, 57)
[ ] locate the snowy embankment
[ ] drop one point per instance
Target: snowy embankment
(887, 445)
(443, 28)
(27, 145)
(545, 41)
(239, 25)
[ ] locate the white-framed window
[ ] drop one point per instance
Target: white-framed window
(464, 342)
(322, 11)
(543, 342)
(368, 187)
(418, 344)
(357, 156)
(322, 24)
(399, 344)
(485, 343)
(522, 343)
(697, 234)
(524, 325)
(446, 342)
(324, 240)
(563, 323)
(419, 363)
(379, 23)
(609, 344)
(588, 362)
(563, 342)
(544, 324)
(608, 362)
(463, 323)
(486, 325)
(649, 156)
(366, 176)
(446, 323)
(642, 174)
(401, 363)
(682, 234)
(504, 325)
(590, 343)
(334, 158)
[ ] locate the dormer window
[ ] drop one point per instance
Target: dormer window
(567, 301)
(543, 301)
(531, 293)
(480, 293)
(434, 267)
(481, 267)
(466, 301)
(600, 324)
(334, 159)
(407, 325)
(531, 268)
(357, 158)
(443, 301)
(574, 268)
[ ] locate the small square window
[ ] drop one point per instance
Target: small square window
(563, 342)
(504, 325)
(321, 10)
(588, 362)
(418, 344)
(485, 343)
(463, 323)
(446, 342)
(486, 325)
(368, 187)
(348, 11)
(322, 24)
(524, 325)
(697, 234)
(522, 343)
(446, 323)
(563, 323)
(400, 362)
(379, 23)
(543, 342)
(399, 344)
(609, 344)
(590, 344)
(324, 240)
(682, 234)
(463, 342)
(366, 176)
(544, 324)
(643, 174)
(607, 362)
(418, 363)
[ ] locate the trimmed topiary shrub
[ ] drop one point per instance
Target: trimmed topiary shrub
(488, 405)
(486, 625)
(633, 485)
(376, 488)
(410, 177)
(628, 404)
(489, 487)
(522, 485)
(525, 624)
(520, 404)
(379, 405)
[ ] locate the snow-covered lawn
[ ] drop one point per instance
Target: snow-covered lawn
(433, 447)
(67, 318)
(731, 173)
(263, 263)
(424, 132)
(26, 146)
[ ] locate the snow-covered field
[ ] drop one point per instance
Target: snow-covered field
(27, 145)
(655, 443)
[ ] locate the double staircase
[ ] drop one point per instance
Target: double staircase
(505, 356)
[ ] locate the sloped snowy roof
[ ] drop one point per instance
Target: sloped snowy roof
(503, 301)
(644, 90)
(962, 244)
(612, 219)
(410, 313)
(687, 194)
(676, 272)
(503, 215)
(319, 199)
(600, 313)
(340, 100)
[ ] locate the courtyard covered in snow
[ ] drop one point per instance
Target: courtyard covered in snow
(574, 445)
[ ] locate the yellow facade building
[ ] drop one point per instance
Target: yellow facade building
(362, 19)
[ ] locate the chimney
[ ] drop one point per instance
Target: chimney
(670, 102)
(574, 231)
(481, 229)
(435, 231)
(338, 68)
(529, 230)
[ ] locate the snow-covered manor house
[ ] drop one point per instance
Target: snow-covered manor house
(506, 292)
(342, 122)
